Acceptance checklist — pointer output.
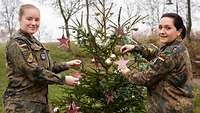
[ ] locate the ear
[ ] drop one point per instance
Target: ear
(19, 18)
(179, 31)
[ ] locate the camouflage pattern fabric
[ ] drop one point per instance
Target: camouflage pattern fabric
(167, 77)
(25, 107)
(29, 70)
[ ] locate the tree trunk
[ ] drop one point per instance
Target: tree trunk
(189, 21)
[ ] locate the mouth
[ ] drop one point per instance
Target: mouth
(163, 37)
(32, 28)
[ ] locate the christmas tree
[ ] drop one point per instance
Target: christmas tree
(102, 89)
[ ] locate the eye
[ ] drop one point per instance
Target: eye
(37, 19)
(168, 28)
(159, 27)
(29, 18)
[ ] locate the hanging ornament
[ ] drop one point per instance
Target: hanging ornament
(109, 97)
(64, 42)
(72, 108)
(119, 31)
(108, 61)
(121, 63)
(94, 60)
(113, 56)
(56, 110)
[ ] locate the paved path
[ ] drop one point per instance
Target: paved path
(196, 81)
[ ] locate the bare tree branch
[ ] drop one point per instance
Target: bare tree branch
(8, 15)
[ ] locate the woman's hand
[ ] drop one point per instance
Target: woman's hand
(74, 63)
(127, 48)
(70, 80)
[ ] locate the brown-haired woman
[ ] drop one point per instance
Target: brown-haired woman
(168, 74)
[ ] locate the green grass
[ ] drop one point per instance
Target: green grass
(3, 79)
(196, 92)
(59, 55)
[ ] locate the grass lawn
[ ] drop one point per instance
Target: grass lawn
(3, 80)
(196, 92)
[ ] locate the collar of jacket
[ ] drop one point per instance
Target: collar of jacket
(26, 35)
(21, 32)
(176, 41)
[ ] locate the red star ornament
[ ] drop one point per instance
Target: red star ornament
(119, 31)
(72, 108)
(109, 97)
(121, 63)
(63, 42)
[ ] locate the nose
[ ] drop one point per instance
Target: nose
(34, 22)
(162, 31)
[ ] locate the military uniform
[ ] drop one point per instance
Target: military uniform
(29, 70)
(167, 76)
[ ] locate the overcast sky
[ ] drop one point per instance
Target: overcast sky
(50, 19)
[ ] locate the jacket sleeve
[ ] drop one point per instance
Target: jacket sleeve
(25, 63)
(155, 70)
(59, 67)
(148, 51)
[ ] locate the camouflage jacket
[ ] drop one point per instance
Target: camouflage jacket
(167, 77)
(30, 69)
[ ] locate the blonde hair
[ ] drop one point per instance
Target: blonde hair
(26, 6)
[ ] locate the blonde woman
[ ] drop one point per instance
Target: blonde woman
(30, 68)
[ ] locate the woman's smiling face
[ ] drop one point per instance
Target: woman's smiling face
(30, 20)
(167, 30)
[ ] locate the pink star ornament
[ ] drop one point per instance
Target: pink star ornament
(121, 63)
